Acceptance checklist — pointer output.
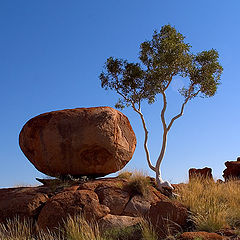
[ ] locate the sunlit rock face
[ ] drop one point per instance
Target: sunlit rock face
(82, 141)
(203, 173)
(233, 170)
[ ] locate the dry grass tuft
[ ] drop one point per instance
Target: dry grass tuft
(214, 206)
(77, 228)
(148, 231)
(138, 183)
(16, 229)
(124, 175)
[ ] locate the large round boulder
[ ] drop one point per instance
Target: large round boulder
(82, 141)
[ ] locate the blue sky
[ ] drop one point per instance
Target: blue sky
(52, 52)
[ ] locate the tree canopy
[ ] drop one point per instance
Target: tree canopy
(161, 59)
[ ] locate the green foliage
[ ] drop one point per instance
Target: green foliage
(162, 58)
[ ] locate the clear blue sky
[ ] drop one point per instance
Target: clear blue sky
(52, 51)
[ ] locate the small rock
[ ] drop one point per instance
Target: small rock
(114, 221)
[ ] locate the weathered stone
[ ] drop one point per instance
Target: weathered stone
(232, 171)
(82, 141)
(200, 235)
(114, 198)
(111, 182)
(140, 205)
(59, 207)
(168, 216)
(22, 202)
(203, 173)
(137, 206)
(115, 221)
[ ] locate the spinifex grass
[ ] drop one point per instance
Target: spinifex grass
(148, 231)
(16, 229)
(138, 183)
(77, 228)
(214, 206)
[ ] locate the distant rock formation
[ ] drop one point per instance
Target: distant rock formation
(205, 173)
(233, 170)
(78, 142)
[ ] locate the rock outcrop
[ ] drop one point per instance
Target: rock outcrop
(204, 173)
(109, 201)
(78, 142)
(168, 217)
(233, 170)
(23, 202)
(66, 203)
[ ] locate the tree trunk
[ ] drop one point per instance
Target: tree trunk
(162, 185)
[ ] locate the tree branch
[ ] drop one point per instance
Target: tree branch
(177, 116)
(164, 110)
(144, 127)
(168, 84)
(146, 136)
(126, 99)
(182, 109)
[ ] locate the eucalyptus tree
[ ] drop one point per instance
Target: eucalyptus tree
(162, 59)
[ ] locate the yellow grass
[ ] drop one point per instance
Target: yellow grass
(75, 228)
(214, 206)
(148, 231)
(125, 174)
(16, 229)
(138, 183)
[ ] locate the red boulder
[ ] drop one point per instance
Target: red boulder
(70, 203)
(82, 141)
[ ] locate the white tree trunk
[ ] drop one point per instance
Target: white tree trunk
(162, 185)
